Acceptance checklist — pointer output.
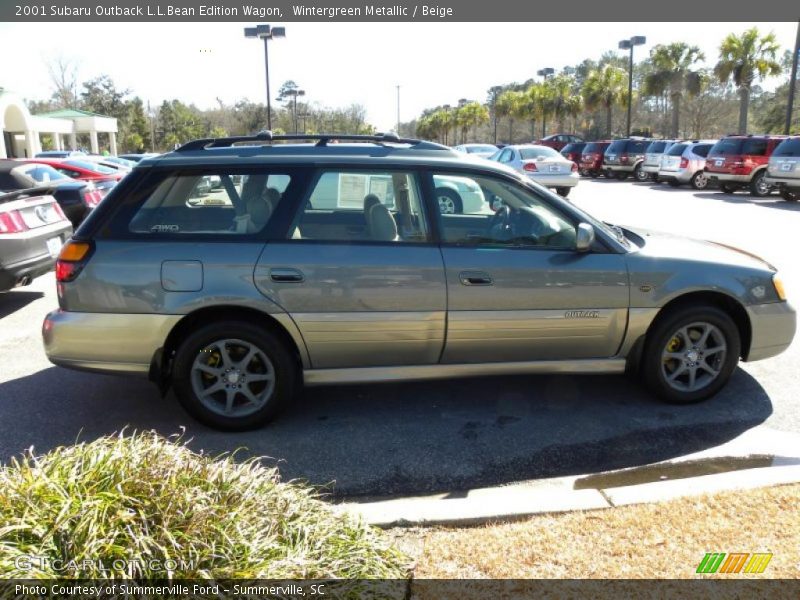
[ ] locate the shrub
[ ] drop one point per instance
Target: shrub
(139, 498)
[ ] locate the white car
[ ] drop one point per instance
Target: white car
(481, 150)
(541, 164)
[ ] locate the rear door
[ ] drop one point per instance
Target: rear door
(518, 290)
(358, 271)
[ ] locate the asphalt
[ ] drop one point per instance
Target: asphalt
(450, 436)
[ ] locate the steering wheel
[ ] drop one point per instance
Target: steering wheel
(501, 225)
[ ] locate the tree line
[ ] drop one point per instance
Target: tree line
(673, 97)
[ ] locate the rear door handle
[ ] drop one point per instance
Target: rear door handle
(475, 278)
(286, 275)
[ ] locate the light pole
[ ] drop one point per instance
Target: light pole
(398, 110)
(495, 90)
(266, 33)
(546, 72)
(792, 82)
(637, 40)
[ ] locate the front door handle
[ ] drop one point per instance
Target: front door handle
(286, 275)
(475, 278)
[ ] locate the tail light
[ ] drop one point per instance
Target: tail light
(529, 167)
(684, 163)
(574, 167)
(11, 222)
(91, 197)
(71, 260)
(59, 211)
(623, 158)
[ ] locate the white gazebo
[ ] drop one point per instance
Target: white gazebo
(21, 130)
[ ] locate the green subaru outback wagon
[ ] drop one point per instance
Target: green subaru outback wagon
(330, 259)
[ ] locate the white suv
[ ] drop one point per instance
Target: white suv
(684, 163)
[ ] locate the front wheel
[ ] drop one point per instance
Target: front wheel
(790, 195)
(233, 375)
(759, 187)
(449, 201)
(563, 191)
(640, 174)
(699, 180)
(690, 354)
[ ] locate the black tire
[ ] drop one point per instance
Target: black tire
(563, 191)
(699, 181)
(673, 183)
(664, 332)
(790, 195)
(284, 367)
(451, 198)
(639, 174)
(727, 188)
(758, 187)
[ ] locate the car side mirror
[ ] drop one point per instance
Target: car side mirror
(584, 238)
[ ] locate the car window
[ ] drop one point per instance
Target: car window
(214, 203)
(592, 147)
(537, 151)
(676, 150)
(636, 146)
(44, 173)
(727, 147)
(755, 147)
(790, 147)
(8, 182)
(517, 217)
(656, 147)
(90, 166)
(616, 146)
(362, 206)
(506, 155)
(702, 149)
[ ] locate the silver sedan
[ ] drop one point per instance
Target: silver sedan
(541, 164)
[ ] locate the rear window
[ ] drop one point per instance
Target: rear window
(90, 166)
(474, 149)
(537, 151)
(593, 147)
(215, 203)
(617, 146)
(45, 173)
(636, 146)
(676, 150)
(727, 147)
(702, 149)
(788, 148)
(573, 148)
(657, 147)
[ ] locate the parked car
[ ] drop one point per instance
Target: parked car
(573, 151)
(289, 294)
(103, 178)
(136, 157)
(60, 154)
(591, 163)
(482, 150)
(33, 228)
(740, 161)
(541, 164)
(625, 157)
(76, 198)
(652, 157)
(783, 170)
(557, 141)
(684, 163)
(111, 162)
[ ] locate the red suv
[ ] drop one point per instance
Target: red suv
(591, 162)
(558, 140)
(740, 161)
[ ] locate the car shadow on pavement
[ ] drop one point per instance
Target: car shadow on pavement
(12, 301)
(408, 438)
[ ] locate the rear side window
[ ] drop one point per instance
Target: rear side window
(676, 150)
(213, 203)
(755, 147)
(788, 148)
(702, 149)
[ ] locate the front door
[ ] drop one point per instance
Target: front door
(358, 272)
(517, 288)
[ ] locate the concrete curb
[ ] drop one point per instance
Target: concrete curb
(758, 458)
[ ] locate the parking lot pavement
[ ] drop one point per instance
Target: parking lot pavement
(449, 435)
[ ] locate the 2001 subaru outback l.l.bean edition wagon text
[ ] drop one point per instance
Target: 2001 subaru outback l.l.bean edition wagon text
(322, 263)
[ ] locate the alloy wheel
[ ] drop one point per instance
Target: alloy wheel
(693, 357)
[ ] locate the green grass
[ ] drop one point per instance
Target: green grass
(141, 497)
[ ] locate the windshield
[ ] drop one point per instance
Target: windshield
(534, 152)
(789, 147)
(90, 166)
(481, 149)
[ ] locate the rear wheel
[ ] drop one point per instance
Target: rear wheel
(563, 191)
(640, 174)
(790, 195)
(233, 375)
(690, 354)
(758, 186)
(699, 180)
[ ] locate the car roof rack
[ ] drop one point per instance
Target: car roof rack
(321, 139)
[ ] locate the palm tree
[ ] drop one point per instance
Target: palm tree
(672, 74)
(744, 59)
(469, 115)
(560, 101)
(509, 104)
(606, 88)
